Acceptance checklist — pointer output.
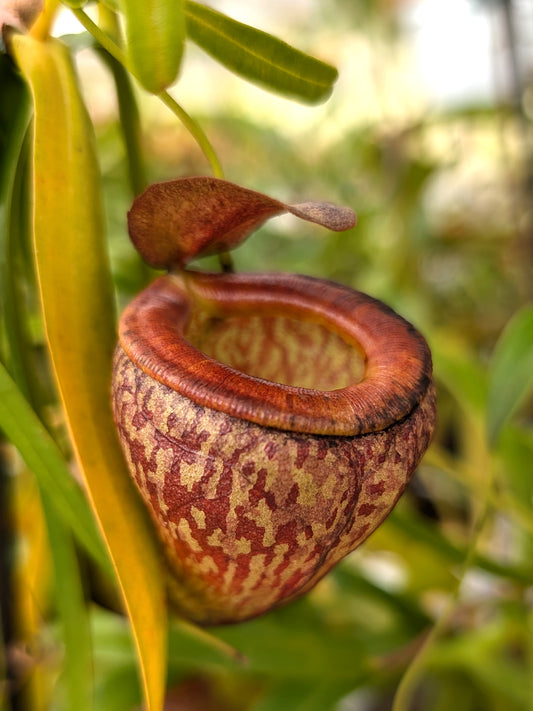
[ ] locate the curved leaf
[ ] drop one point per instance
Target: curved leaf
(510, 371)
(37, 448)
(15, 117)
(69, 596)
(155, 32)
(258, 56)
(178, 220)
(77, 302)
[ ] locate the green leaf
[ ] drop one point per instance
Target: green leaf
(479, 653)
(295, 696)
(72, 612)
(402, 606)
(25, 431)
(510, 371)
(258, 56)
(515, 450)
(129, 121)
(460, 373)
(155, 33)
(75, 3)
(15, 272)
(113, 5)
(414, 527)
(15, 108)
(293, 643)
(118, 691)
(190, 647)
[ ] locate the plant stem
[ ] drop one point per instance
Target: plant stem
(410, 679)
(128, 110)
(43, 24)
(517, 77)
(190, 124)
(8, 695)
(115, 52)
(194, 129)
(129, 122)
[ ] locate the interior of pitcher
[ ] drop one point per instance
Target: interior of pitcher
(278, 348)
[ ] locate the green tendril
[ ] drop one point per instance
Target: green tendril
(188, 122)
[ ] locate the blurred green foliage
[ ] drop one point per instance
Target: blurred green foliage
(451, 249)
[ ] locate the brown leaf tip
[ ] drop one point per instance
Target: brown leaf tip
(334, 217)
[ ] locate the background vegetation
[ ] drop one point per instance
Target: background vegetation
(435, 610)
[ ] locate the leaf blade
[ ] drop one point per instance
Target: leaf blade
(13, 230)
(155, 34)
(72, 611)
(510, 373)
(37, 448)
(258, 56)
(78, 307)
(172, 222)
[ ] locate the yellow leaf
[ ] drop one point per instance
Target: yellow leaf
(31, 584)
(78, 308)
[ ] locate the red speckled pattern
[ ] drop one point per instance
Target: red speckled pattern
(250, 516)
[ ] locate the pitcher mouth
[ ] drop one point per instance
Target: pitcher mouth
(382, 373)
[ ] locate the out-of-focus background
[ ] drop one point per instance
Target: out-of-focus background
(428, 136)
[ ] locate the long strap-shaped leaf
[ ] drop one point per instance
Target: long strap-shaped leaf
(510, 371)
(24, 430)
(77, 303)
(258, 56)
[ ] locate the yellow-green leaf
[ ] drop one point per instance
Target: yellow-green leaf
(155, 33)
(258, 56)
(510, 371)
(77, 302)
(73, 614)
(21, 425)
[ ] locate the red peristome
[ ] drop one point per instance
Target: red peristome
(397, 358)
